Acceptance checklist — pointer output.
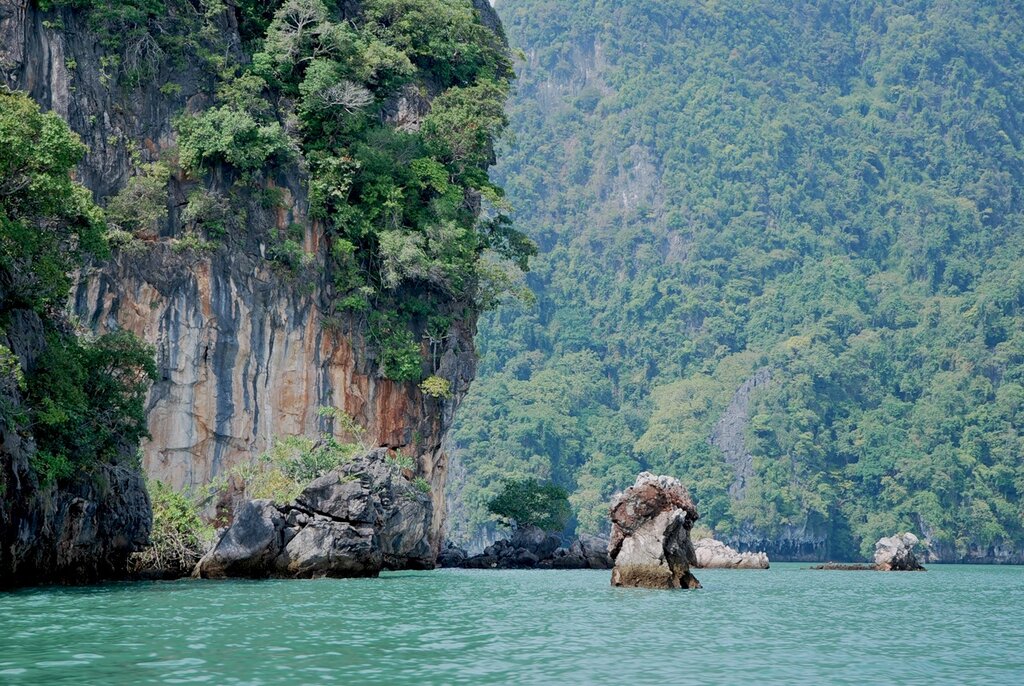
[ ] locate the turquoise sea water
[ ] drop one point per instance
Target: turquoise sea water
(952, 624)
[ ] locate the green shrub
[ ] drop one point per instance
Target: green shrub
(400, 357)
(179, 536)
(226, 135)
(207, 210)
(141, 205)
(437, 387)
(400, 461)
(292, 462)
(290, 254)
(527, 502)
(190, 241)
(87, 401)
(48, 223)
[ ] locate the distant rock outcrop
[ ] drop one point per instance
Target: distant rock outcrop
(650, 543)
(712, 554)
(531, 547)
(730, 431)
(896, 554)
(354, 521)
(892, 554)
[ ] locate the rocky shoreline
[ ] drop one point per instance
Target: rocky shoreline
(356, 520)
(532, 548)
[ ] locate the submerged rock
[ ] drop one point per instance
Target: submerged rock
(354, 521)
(846, 567)
(712, 554)
(650, 543)
(896, 554)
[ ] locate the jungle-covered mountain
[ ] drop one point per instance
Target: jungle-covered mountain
(780, 258)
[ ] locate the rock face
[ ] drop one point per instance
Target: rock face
(650, 543)
(896, 554)
(730, 430)
(82, 530)
(354, 521)
(712, 554)
(246, 351)
(529, 548)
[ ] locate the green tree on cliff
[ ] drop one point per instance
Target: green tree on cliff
(84, 397)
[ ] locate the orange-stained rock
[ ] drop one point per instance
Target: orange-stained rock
(244, 356)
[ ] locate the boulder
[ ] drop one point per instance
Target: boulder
(354, 521)
(896, 554)
(650, 543)
(451, 556)
(593, 549)
(531, 547)
(712, 554)
(536, 540)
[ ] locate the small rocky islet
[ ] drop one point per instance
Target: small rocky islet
(892, 554)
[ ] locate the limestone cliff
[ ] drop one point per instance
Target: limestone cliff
(245, 348)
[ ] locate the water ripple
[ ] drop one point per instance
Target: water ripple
(950, 625)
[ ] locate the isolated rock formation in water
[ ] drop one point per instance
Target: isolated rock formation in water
(896, 554)
(354, 521)
(650, 543)
(531, 547)
(712, 554)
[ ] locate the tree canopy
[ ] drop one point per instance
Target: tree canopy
(527, 502)
(827, 191)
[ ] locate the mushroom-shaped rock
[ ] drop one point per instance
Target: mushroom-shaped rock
(713, 554)
(650, 543)
(896, 554)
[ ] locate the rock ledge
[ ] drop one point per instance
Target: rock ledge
(712, 554)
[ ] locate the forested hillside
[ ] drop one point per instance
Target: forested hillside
(781, 259)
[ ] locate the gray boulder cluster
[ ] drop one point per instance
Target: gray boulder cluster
(897, 554)
(892, 554)
(712, 554)
(354, 521)
(650, 542)
(532, 548)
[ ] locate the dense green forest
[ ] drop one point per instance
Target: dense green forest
(830, 192)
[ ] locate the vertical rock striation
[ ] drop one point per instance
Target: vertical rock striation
(244, 348)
